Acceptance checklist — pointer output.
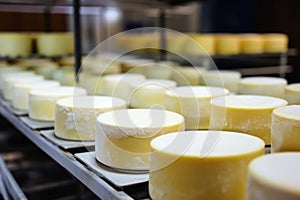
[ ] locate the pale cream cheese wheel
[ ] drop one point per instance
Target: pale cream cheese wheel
(92, 83)
(250, 114)
(123, 136)
(20, 92)
(188, 75)
(292, 93)
(202, 165)
(65, 75)
(5, 71)
(267, 86)
(75, 117)
(193, 102)
(42, 101)
(285, 128)
(275, 176)
(15, 44)
(13, 73)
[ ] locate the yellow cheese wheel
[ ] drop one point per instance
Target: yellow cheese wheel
(292, 93)
(201, 165)
(193, 102)
(42, 101)
(199, 44)
(228, 44)
(268, 86)
(20, 92)
(252, 43)
(134, 65)
(275, 176)
(276, 43)
(75, 117)
(123, 136)
(249, 114)
(15, 44)
(285, 128)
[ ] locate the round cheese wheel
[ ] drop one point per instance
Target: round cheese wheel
(228, 44)
(123, 136)
(188, 75)
(276, 43)
(202, 165)
(275, 176)
(193, 103)
(292, 93)
(252, 43)
(20, 92)
(75, 117)
(92, 83)
(285, 128)
(249, 114)
(65, 75)
(268, 86)
(199, 44)
(13, 73)
(15, 44)
(42, 101)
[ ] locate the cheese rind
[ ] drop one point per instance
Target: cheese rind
(252, 43)
(190, 165)
(228, 44)
(249, 114)
(276, 43)
(123, 136)
(75, 117)
(285, 128)
(292, 93)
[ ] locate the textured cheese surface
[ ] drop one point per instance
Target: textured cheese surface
(123, 136)
(292, 93)
(193, 103)
(75, 117)
(189, 165)
(268, 86)
(42, 101)
(20, 92)
(275, 176)
(285, 128)
(249, 114)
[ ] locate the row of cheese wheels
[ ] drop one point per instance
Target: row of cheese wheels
(47, 44)
(203, 44)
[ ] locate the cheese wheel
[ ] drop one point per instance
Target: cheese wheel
(188, 75)
(199, 44)
(276, 43)
(13, 73)
(42, 101)
(123, 136)
(75, 117)
(228, 79)
(268, 86)
(202, 165)
(156, 71)
(134, 65)
(149, 93)
(252, 43)
(92, 83)
(9, 82)
(275, 176)
(5, 71)
(20, 92)
(99, 66)
(285, 129)
(228, 44)
(249, 114)
(118, 85)
(176, 43)
(292, 93)
(65, 75)
(193, 103)
(15, 44)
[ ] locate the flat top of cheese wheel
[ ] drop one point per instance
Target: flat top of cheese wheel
(140, 118)
(153, 82)
(59, 90)
(20, 73)
(263, 80)
(207, 143)
(23, 78)
(37, 84)
(294, 86)
(127, 76)
(290, 112)
(197, 92)
(248, 101)
(280, 170)
(222, 73)
(97, 102)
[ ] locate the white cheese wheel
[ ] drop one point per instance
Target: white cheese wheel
(193, 103)
(188, 75)
(285, 128)
(42, 101)
(123, 136)
(202, 165)
(75, 117)
(17, 73)
(249, 114)
(118, 85)
(92, 83)
(149, 93)
(228, 44)
(252, 43)
(276, 43)
(20, 92)
(223, 78)
(15, 44)
(275, 176)
(292, 93)
(65, 75)
(268, 86)
(157, 71)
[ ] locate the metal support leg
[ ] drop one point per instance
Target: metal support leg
(77, 36)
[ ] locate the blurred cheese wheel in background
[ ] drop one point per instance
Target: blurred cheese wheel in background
(175, 43)
(157, 71)
(252, 43)
(268, 86)
(188, 75)
(276, 43)
(42, 101)
(223, 78)
(11, 74)
(249, 114)
(285, 128)
(20, 92)
(92, 83)
(134, 65)
(274, 176)
(191, 165)
(228, 44)
(65, 75)
(15, 44)
(292, 93)
(199, 44)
